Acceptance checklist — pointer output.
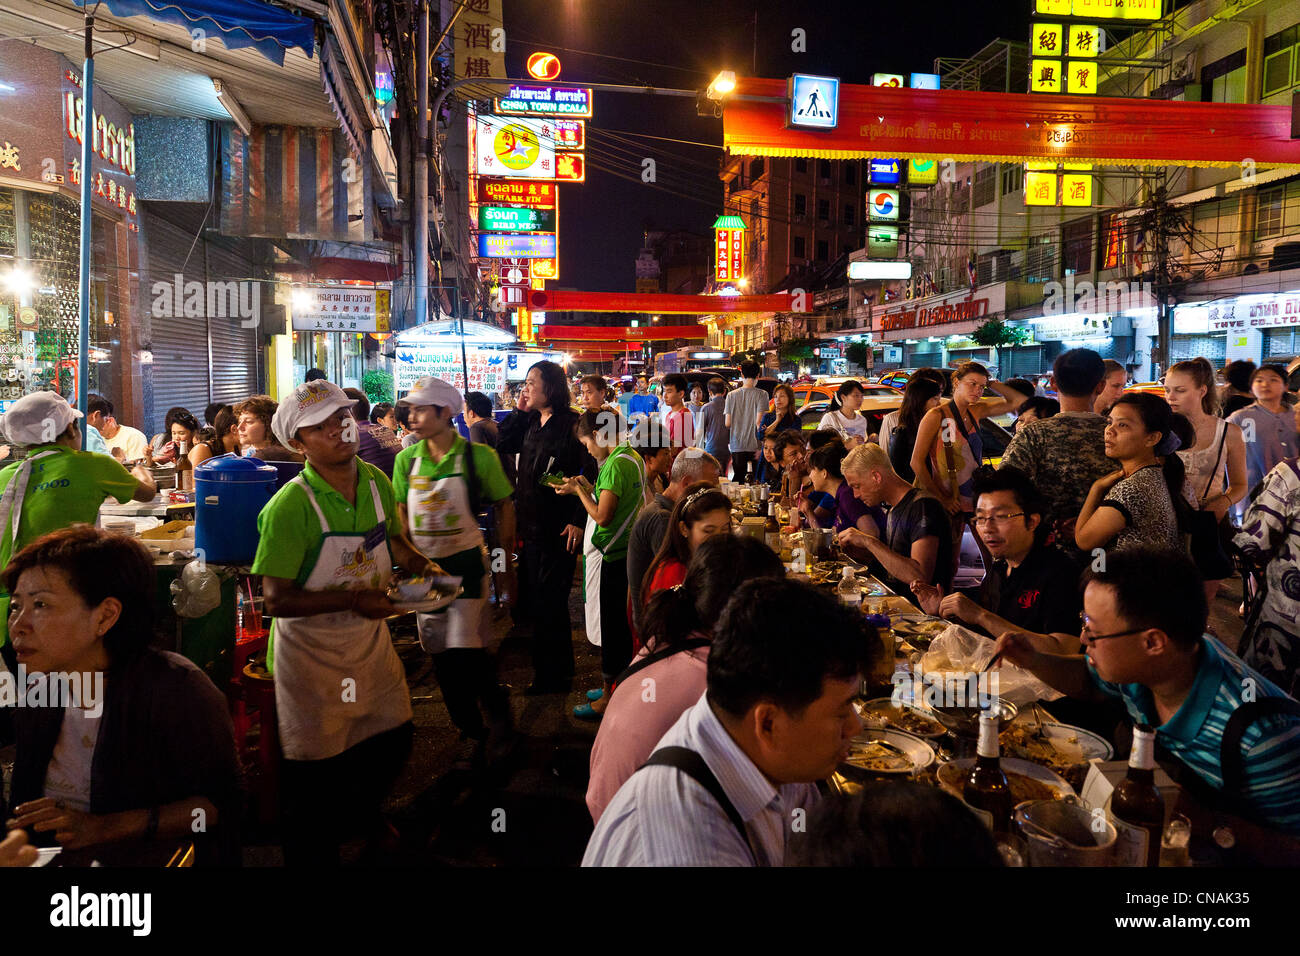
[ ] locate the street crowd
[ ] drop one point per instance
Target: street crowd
(727, 683)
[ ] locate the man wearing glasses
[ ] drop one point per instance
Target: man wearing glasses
(1028, 585)
(1144, 638)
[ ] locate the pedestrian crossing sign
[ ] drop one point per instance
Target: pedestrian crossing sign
(814, 101)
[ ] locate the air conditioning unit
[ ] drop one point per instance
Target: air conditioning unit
(1184, 68)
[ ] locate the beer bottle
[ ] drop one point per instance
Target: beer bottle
(772, 528)
(986, 787)
(1137, 799)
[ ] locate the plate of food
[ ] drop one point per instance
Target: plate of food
(886, 752)
(1029, 781)
(917, 629)
(1061, 748)
(424, 595)
(554, 479)
(883, 713)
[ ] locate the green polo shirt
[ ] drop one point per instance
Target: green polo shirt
(289, 531)
(621, 474)
(65, 488)
(493, 486)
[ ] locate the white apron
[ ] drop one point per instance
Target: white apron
(443, 524)
(338, 680)
(11, 502)
(593, 561)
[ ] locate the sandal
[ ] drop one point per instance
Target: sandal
(596, 694)
(585, 712)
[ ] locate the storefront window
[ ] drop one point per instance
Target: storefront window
(352, 358)
(40, 325)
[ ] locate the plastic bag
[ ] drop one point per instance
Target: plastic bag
(196, 591)
(959, 649)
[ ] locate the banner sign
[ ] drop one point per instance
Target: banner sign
(623, 333)
(878, 121)
(560, 300)
(508, 219)
(340, 308)
(541, 246)
(539, 195)
(570, 133)
(487, 368)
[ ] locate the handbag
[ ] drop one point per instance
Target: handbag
(1207, 539)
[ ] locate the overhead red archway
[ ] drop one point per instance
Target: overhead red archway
(620, 333)
(561, 300)
(877, 121)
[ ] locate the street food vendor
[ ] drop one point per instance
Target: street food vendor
(441, 483)
(57, 484)
(328, 542)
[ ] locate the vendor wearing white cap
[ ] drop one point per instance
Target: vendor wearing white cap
(442, 482)
(329, 539)
(57, 485)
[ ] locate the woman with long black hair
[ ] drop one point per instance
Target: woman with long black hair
(921, 395)
(843, 417)
(1142, 501)
(541, 432)
(674, 660)
(702, 512)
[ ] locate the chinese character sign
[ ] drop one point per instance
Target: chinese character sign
(729, 254)
(341, 309)
(478, 37)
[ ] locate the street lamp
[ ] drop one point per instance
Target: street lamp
(723, 85)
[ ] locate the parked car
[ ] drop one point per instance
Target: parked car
(996, 437)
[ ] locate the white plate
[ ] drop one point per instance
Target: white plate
(428, 604)
(1091, 744)
(920, 752)
(45, 854)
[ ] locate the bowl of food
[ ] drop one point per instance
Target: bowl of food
(413, 589)
(965, 720)
(883, 713)
(554, 479)
(875, 753)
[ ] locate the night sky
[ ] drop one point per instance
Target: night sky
(683, 44)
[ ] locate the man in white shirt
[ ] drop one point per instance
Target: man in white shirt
(735, 776)
(122, 441)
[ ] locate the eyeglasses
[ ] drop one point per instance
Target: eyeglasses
(995, 519)
(1085, 630)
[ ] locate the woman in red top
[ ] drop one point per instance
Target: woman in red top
(702, 512)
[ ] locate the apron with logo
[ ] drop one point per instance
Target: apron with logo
(593, 559)
(443, 525)
(338, 680)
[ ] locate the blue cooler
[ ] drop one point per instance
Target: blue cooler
(229, 493)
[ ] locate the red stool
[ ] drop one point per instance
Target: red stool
(258, 695)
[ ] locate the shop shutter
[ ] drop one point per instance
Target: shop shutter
(1212, 347)
(1025, 361)
(1280, 344)
(235, 350)
(179, 372)
(924, 359)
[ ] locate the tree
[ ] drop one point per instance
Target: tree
(997, 334)
(796, 351)
(378, 386)
(857, 352)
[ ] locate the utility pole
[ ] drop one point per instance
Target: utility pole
(420, 177)
(1163, 280)
(87, 158)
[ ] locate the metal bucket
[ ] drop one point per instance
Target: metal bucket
(1064, 833)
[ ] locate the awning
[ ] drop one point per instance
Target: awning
(239, 23)
(885, 122)
(344, 98)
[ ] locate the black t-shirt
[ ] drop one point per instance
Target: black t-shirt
(1041, 595)
(1235, 403)
(919, 515)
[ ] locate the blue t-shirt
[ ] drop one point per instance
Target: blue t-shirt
(642, 405)
(1270, 748)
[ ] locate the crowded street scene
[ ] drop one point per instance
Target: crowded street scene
(893, 462)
